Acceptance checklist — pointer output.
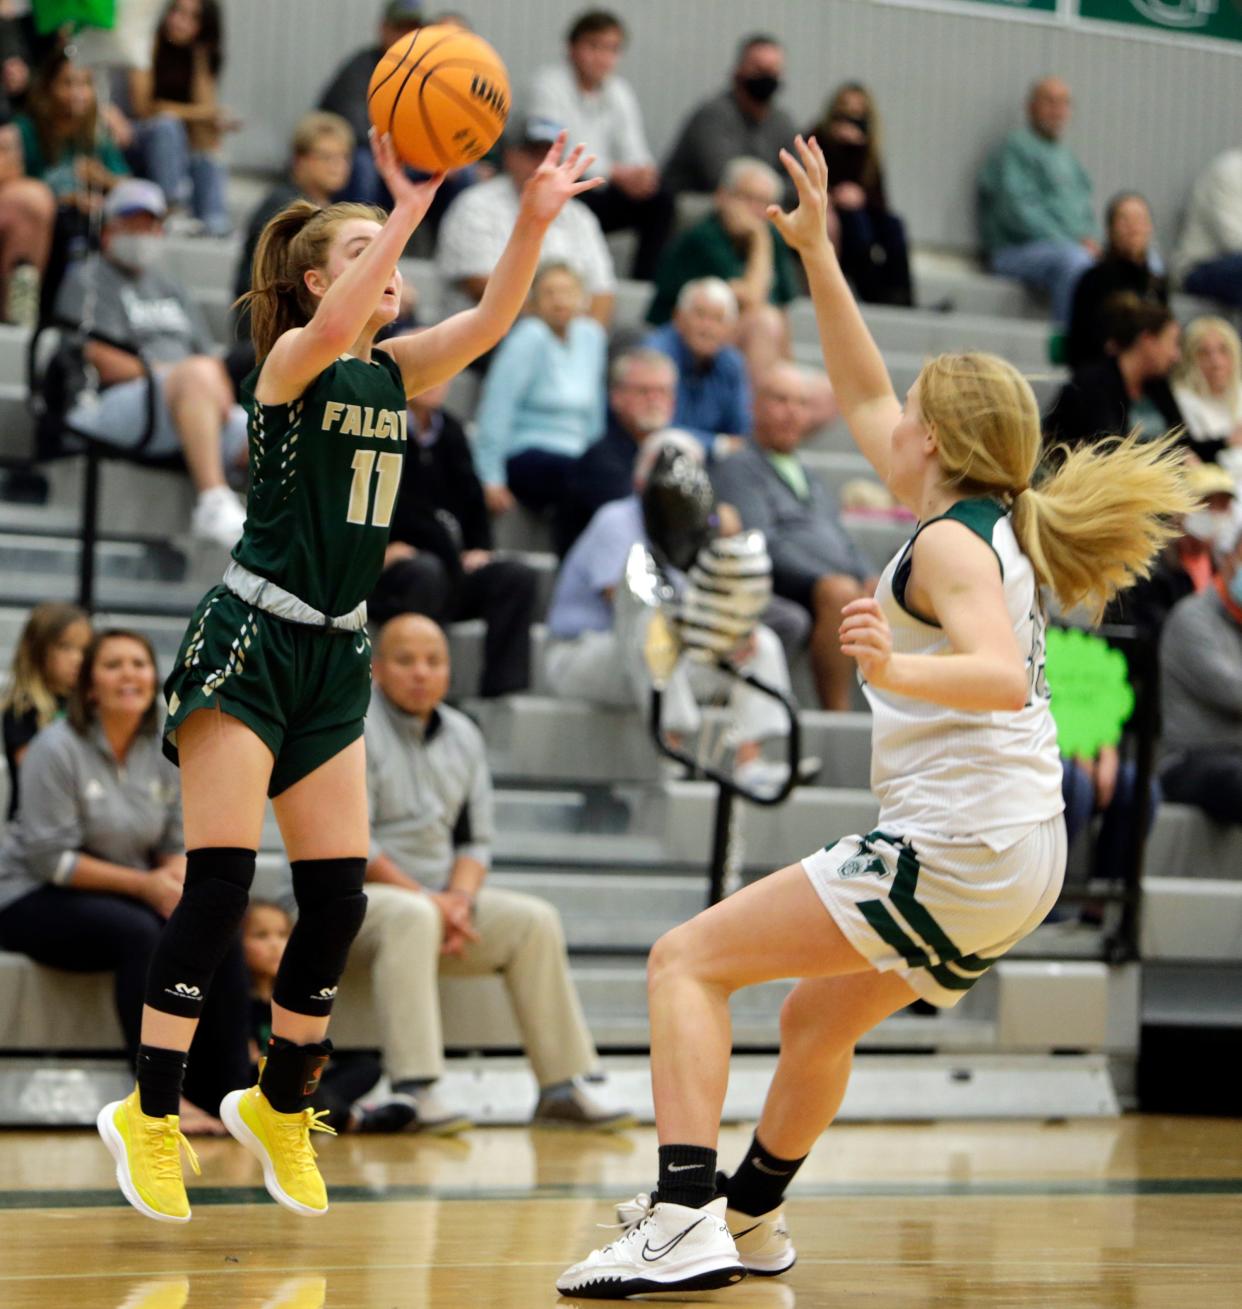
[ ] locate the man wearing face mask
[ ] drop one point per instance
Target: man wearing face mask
(1201, 693)
(742, 120)
(137, 305)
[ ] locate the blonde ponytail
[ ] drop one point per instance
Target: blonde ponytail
(1093, 526)
(296, 240)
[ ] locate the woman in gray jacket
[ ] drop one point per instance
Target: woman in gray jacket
(93, 863)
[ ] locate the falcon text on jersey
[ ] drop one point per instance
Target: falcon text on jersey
(363, 420)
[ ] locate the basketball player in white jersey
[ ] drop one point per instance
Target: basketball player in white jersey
(969, 852)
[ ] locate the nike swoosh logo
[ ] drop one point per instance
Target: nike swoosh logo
(651, 1255)
(737, 1236)
(682, 1168)
(771, 1172)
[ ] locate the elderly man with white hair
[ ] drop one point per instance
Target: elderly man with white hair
(594, 655)
(713, 390)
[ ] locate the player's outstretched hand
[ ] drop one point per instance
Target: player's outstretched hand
(806, 229)
(867, 637)
(557, 180)
(413, 195)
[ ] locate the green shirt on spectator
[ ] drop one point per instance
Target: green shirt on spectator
(1033, 189)
(60, 174)
(707, 250)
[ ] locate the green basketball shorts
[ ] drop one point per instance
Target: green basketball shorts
(301, 690)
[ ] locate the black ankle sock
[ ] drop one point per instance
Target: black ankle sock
(290, 1077)
(761, 1180)
(160, 1074)
(687, 1175)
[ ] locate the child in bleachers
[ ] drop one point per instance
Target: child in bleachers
(265, 933)
(45, 668)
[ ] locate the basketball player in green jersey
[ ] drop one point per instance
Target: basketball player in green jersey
(273, 677)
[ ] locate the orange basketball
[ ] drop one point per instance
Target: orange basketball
(443, 96)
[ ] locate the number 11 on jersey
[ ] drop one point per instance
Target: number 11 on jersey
(389, 480)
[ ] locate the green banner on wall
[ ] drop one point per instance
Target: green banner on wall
(1218, 19)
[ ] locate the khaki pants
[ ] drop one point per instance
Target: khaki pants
(520, 938)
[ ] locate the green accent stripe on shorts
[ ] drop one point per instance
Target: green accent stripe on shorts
(950, 980)
(887, 929)
(902, 895)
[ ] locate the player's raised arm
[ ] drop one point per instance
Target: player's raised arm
(855, 366)
(440, 352)
(349, 302)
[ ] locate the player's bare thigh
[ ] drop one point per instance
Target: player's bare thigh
(774, 928)
(324, 815)
(225, 769)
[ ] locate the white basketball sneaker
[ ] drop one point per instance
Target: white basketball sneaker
(763, 1243)
(671, 1248)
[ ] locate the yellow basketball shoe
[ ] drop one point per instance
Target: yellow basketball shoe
(148, 1158)
(281, 1143)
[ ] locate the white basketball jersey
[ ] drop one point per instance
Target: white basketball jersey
(990, 776)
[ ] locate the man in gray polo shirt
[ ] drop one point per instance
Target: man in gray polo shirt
(1201, 695)
(429, 913)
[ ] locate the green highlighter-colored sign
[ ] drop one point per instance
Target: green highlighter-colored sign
(1219, 19)
(1091, 696)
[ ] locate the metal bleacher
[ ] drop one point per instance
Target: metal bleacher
(617, 847)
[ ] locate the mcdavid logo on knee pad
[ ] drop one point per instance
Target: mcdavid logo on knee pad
(325, 993)
(184, 991)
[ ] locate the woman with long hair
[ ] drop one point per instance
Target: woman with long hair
(93, 864)
(1125, 265)
(874, 254)
(969, 851)
(44, 670)
(180, 122)
(1208, 389)
(270, 687)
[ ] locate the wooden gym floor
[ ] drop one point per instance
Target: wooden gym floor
(1137, 1212)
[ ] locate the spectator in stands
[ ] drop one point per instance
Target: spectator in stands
(1035, 212)
(713, 390)
(440, 561)
(542, 402)
(814, 561)
(873, 250)
(321, 150)
(346, 95)
(1125, 265)
(642, 394)
(478, 223)
(45, 669)
(94, 862)
(14, 67)
(584, 95)
(596, 651)
(27, 220)
(1188, 564)
(153, 314)
(429, 912)
(1209, 259)
(1118, 393)
(179, 123)
(1208, 386)
(65, 145)
(348, 1076)
(742, 120)
(1201, 695)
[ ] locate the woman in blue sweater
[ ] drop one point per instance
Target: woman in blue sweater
(544, 398)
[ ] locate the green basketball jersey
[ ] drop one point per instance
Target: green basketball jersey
(324, 473)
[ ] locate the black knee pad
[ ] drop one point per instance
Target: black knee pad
(331, 907)
(202, 928)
